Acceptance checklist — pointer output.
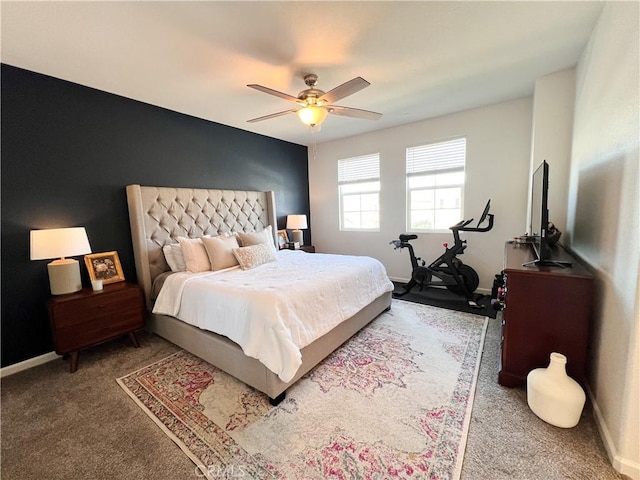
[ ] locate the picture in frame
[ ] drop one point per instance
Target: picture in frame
(104, 266)
(283, 239)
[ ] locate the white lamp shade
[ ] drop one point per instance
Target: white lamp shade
(59, 243)
(64, 274)
(296, 222)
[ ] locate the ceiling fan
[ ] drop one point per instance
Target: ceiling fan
(314, 104)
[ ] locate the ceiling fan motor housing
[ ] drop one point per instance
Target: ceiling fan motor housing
(310, 95)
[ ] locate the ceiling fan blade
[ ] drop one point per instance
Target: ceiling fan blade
(273, 115)
(348, 88)
(276, 93)
(353, 112)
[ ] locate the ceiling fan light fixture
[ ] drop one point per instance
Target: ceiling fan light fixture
(312, 115)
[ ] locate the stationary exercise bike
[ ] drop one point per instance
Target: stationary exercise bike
(447, 270)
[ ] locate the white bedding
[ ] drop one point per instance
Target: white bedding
(275, 309)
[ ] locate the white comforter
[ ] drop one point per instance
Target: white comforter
(274, 310)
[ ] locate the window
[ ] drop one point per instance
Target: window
(359, 190)
(435, 184)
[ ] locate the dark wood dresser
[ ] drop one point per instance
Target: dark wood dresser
(85, 318)
(546, 309)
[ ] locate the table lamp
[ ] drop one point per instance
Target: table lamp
(64, 273)
(297, 223)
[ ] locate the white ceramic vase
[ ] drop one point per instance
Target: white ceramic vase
(554, 396)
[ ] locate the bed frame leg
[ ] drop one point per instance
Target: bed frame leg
(278, 399)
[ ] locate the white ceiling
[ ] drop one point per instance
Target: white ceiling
(423, 59)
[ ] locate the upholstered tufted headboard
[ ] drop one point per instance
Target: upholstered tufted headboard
(159, 215)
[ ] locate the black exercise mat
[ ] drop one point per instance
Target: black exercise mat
(443, 298)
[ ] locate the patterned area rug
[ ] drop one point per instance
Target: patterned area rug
(392, 402)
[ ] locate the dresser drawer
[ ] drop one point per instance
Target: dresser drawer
(97, 330)
(99, 305)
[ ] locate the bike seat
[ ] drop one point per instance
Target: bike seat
(405, 237)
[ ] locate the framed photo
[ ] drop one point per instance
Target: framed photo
(283, 239)
(104, 266)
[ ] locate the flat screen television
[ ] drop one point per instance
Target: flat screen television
(540, 211)
(545, 253)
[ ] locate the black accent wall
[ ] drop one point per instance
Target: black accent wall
(68, 151)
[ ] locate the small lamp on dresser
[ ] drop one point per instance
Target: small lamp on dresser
(297, 223)
(64, 273)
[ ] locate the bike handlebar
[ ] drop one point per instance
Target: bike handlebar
(485, 213)
(461, 226)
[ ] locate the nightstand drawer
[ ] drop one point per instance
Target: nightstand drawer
(101, 328)
(85, 318)
(99, 305)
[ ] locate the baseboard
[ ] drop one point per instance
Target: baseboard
(627, 468)
(622, 465)
(399, 280)
(27, 364)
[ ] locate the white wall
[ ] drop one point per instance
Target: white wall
(498, 157)
(603, 218)
(553, 104)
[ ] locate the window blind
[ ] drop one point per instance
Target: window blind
(358, 169)
(437, 157)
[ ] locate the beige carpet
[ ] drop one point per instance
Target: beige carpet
(58, 426)
(392, 402)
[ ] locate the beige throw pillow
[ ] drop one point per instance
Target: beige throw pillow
(254, 255)
(195, 256)
(220, 251)
(264, 236)
(174, 257)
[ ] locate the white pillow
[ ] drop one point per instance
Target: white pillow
(220, 251)
(174, 257)
(254, 255)
(195, 255)
(255, 238)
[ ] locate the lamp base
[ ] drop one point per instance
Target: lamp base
(298, 236)
(64, 276)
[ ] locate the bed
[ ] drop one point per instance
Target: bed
(160, 215)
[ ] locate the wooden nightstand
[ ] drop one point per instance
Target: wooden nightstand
(308, 248)
(85, 318)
